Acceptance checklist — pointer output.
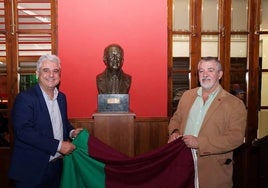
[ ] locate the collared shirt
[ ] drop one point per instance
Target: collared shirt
(195, 120)
(55, 117)
(198, 112)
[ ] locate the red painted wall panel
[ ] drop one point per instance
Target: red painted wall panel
(86, 27)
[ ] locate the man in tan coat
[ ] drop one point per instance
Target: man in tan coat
(212, 123)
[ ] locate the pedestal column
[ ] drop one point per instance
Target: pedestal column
(116, 130)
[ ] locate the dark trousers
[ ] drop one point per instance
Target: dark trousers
(51, 177)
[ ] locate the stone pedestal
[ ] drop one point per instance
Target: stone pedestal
(113, 103)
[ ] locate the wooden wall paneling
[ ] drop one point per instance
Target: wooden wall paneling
(87, 123)
(150, 133)
(195, 40)
(116, 130)
(224, 41)
(250, 161)
(5, 154)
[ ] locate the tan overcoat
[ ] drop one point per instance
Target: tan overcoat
(222, 131)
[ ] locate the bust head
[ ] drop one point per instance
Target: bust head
(113, 80)
(113, 57)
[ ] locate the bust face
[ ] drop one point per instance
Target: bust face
(114, 58)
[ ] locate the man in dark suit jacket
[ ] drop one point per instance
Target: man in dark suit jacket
(41, 130)
(113, 80)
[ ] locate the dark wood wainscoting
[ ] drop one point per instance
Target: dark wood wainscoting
(150, 133)
(5, 154)
(87, 123)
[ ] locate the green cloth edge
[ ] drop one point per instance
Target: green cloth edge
(79, 169)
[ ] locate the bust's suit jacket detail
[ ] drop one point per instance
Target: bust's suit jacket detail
(34, 142)
(103, 83)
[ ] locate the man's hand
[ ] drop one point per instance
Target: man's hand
(190, 141)
(67, 148)
(76, 132)
(174, 136)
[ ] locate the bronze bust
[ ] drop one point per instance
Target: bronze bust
(113, 80)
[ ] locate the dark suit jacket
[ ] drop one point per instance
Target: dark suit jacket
(34, 142)
(103, 83)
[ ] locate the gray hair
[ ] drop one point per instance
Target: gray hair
(213, 59)
(47, 57)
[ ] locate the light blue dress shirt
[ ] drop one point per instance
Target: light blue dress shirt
(195, 120)
(55, 117)
(198, 112)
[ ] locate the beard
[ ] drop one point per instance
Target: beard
(207, 83)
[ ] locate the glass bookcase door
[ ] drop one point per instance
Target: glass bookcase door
(263, 43)
(4, 131)
(27, 81)
(28, 29)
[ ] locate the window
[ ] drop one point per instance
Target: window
(228, 30)
(28, 29)
(263, 43)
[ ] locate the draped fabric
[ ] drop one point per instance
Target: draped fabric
(95, 164)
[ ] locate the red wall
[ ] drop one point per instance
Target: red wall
(86, 27)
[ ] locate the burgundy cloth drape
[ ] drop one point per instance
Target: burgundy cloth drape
(170, 166)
